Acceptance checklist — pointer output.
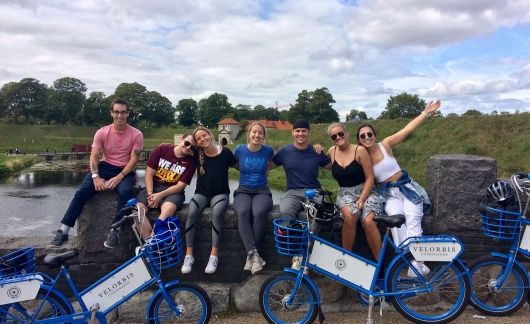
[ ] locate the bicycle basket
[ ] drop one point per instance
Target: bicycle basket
(18, 262)
(164, 250)
(290, 236)
(499, 223)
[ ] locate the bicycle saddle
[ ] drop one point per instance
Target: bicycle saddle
(55, 260)
(391, 220)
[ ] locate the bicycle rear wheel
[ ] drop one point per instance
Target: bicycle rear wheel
(189, 304)
(438, 297)
(508, 298)
(275, 293)
(46, 305)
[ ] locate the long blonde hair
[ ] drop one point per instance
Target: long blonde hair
(200, 150)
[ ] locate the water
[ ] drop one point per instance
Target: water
(33, 203)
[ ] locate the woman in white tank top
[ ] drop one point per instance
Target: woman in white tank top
(404, 196)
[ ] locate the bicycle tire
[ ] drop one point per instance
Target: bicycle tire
(449, 295)
(48, 303)
(504, 301)
(190, 300)
(274, 294)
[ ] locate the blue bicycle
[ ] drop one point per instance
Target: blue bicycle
(292, 296)
(27, 296)
(500, 282)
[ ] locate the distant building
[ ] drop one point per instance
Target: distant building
(228, 130)
(274, 124)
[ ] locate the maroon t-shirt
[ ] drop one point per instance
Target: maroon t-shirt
(169, 168)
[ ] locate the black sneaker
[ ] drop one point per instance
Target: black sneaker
(113, 239)
(58, 240)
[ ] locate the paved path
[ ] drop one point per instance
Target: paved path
(470, 316)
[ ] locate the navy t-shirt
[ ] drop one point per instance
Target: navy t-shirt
(301, 166)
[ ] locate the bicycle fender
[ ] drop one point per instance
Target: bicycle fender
(515, 263)
(308, 280)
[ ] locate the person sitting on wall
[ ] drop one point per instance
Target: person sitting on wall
(119, 146)
(169, 170)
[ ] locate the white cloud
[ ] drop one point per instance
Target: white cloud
(258, 52)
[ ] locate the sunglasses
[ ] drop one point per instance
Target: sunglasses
(365, 135)
(339, 134)
(188, 144)
(120, 112)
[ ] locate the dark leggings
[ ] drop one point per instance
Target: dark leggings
(251, 210)
(197, 204)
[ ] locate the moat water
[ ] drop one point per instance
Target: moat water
(33, 203)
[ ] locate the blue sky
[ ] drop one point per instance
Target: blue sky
(472, 54)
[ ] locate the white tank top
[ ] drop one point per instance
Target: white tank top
(387, 167)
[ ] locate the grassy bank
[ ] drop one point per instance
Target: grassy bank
(13, 164)
(504, 138)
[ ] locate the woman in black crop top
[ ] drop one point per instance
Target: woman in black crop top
(352, 168)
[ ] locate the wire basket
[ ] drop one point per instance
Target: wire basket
(17, 263)
(500, 224)
(290, 236)
(164, 250)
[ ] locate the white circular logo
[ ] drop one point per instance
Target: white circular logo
(341, 264)
(13, 292)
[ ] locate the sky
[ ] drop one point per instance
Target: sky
(471, 54)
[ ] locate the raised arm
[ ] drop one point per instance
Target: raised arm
(401, 135)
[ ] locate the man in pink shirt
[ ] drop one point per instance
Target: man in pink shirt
(115, 152)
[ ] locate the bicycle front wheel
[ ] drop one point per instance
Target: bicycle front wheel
(47, 304)
(438, 297)
(275, 294)
(506, 299)
(189, 304)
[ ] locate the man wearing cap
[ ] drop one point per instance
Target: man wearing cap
(300, 162)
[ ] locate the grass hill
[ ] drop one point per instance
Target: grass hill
(505, 138)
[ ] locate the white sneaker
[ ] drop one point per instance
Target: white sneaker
(188, 262)
(248, 264)
(296, 262)
(421, 267)
(257, 263)
(212, 264)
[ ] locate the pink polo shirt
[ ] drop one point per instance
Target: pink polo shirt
(118, 145)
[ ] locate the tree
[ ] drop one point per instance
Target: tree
(314, 106)
(472, 113)
(243, 112)
(403, 105)
(355, 115)
(68, 96)
(213, 109)
(26, 98)
(158, 109)
(187, 112)
(96, 110)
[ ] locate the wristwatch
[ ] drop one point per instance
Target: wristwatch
(95, 175)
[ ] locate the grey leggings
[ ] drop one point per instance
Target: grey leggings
(197, 204)
(251, 210)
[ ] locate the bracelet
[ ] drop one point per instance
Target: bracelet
(123, 174)
(425, 113)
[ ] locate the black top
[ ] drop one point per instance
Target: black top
(214, 181)
(350, 176)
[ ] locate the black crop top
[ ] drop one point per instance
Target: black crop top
(350, 176)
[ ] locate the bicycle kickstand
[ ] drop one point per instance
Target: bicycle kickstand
(371, 301)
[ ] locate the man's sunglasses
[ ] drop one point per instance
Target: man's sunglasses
(339, 134)
(369, 135)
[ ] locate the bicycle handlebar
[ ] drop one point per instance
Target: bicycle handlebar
(127, 212)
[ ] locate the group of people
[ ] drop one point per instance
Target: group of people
(358, 168)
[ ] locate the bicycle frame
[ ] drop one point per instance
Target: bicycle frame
(106, 294)
(362, 274)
